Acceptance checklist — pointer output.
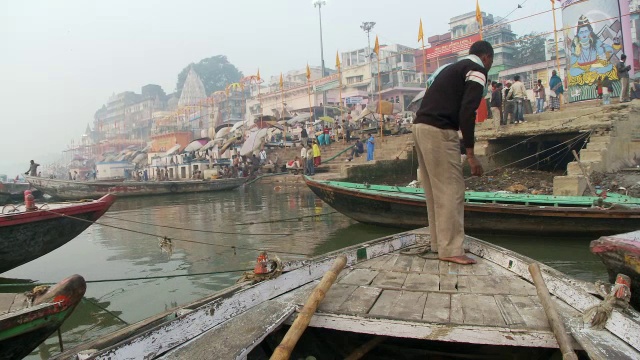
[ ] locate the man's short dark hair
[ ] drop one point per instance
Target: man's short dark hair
(623, 57)
(480, 48)
(516, 78)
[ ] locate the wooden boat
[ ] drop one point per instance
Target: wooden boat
(417, 305)
(621, 255)
(77, 190)
(405, 207)
(25, 324)
(10, 191)
(27, 235)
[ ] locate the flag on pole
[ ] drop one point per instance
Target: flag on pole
(376, 47)
(258, 75)
(553, 2)
(281, 82)
(478, 14)
(420, 33)
(337, 61)
(308, 72)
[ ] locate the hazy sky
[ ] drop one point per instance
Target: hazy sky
(61, 60)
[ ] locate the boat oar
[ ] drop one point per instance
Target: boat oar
(283, 351)
(557, 326)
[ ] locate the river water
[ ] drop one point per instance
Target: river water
(251, 217)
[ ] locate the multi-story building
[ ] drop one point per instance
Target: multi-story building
(464, 31)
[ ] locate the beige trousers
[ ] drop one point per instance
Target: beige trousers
(441, 176)
(496, 118)
(624, 92)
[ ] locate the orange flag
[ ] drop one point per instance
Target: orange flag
(420, 32)
(376, 47)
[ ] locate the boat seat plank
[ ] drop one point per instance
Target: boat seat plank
(431, 266)
(448, 282)
(422, 282)
(359, 277)
(360, 301)
(509, 312)
(498, 285)
(531, 311)
(417, 264)
(336, 295)
(6, 300)
(389, 279)
(403, 263)
(437, 308)
(448, 268)
(386, 301)
(373, 263)
(477, 309)
(19, 302)
(409, 306)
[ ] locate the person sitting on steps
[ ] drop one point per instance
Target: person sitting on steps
(357, 150)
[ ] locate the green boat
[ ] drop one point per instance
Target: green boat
(485, 212)
(26, 322)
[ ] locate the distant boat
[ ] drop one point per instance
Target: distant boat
(26, 324)
(492, 212)
(27, 235)
(77, 190)
(14, 191)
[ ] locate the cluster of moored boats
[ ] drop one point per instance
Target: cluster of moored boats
(390, 297)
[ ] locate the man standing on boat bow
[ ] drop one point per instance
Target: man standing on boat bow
(449, 105)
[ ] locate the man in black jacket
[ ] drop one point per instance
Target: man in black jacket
(449, 106)
(496, 105)
(623, 74)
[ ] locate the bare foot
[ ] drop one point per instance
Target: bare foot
(462, 260)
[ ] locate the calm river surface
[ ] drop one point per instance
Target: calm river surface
(105, 253)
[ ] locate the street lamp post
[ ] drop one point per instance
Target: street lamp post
(318, 4)
(367, 26)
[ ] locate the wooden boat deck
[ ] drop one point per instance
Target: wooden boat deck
(405, 295)
(11, 302)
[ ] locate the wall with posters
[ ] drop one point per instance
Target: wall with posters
(593, 34)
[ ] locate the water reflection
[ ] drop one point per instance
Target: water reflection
(252, 217)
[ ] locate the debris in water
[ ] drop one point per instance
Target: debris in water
(166, 245)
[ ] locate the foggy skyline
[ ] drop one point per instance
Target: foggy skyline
(61, 61)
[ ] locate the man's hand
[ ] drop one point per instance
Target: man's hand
(476, 167)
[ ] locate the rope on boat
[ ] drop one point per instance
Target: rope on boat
(85, 299)
(553, 127)
(233, 247)
(297, 218)
(194, 230)
(536, 154)
(136, 278)
(598, 314)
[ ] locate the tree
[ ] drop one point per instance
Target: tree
(215, 72)
(530, 49)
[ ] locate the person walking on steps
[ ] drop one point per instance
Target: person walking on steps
(449, 105)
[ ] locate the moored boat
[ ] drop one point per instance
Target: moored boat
(27, 321)
(621, 255)
(76, 190)
(388, 294)
(26, 235)
(405, 207)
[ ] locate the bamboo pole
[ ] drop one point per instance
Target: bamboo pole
(552, 315)
(283, 351)
(380, 98)
(584, 173)
(555, 35)
(284, 126)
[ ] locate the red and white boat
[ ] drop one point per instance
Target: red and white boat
(26, 235)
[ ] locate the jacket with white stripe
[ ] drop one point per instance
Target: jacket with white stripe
(451, 101)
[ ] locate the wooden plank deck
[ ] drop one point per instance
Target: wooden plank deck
(426, 292)
(11, 302)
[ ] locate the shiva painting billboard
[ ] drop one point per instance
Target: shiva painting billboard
(593, 34)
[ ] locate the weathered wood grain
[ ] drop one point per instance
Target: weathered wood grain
(409, 306)
(19, 302)
(448, 282)
(509, 312)
(389, 278)
(437, 308)
(422, 281)
(338, 294)
(531, 311)
(359, 277)
(360, 300)
(5, 302)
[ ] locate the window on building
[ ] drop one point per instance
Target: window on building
(354, 79)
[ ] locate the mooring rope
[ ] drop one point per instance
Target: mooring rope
(530, 156)
(297, 218)
(195, 230)
(233, 247)
(135, 278)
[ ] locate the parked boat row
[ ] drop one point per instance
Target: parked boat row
(76, 190)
